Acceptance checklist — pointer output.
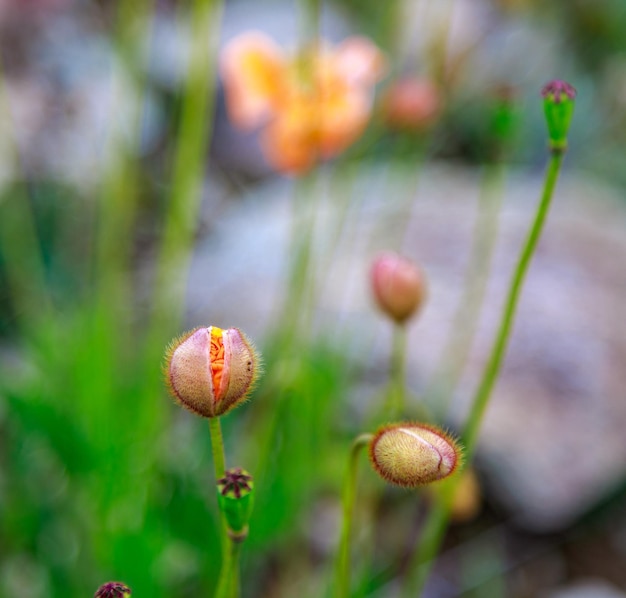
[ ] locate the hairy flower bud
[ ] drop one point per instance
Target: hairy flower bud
(413, 454)
(235, 495)
(398, 285)
(113, 589)
(209, 370)
(558, 103)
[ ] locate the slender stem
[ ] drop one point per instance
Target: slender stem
(217, 447)
(219, 464)
(397, 387)
(438, 518)
(228, 585)
(342, 571)
(481, 398)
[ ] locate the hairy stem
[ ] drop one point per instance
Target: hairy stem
(342, 569)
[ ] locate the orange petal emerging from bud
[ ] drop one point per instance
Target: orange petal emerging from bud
(209, 370)
(398, 285)
(413, 454)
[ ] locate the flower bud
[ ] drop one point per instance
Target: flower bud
(413, 454)
(412, 104)
(558, 103)
(113, 589)
(398, 285)
(235, 495)
(209, 370)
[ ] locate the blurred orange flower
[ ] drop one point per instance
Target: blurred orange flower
(313, 105)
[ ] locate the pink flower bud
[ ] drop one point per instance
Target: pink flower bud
(209, 370)
(413, 104)
(398, 285)
(413, 454)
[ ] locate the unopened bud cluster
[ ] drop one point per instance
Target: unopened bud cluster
(413, 454)
(209, 370)
(398, 285)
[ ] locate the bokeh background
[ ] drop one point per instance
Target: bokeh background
(131, 210)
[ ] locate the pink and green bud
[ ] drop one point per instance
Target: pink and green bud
(113, 589)
(558, 103)
(413, 454)
(235, 496)
(210, 371)
(398, 285)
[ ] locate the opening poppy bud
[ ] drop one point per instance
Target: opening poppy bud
(558, 103)
(398, 285)
(413, 454)
(113, 589)
(209, 370)
(235, 495)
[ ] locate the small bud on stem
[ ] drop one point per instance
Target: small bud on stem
(398, 285)
(558, 103)
(235, 495)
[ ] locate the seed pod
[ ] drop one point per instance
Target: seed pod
(209, 370)
(113, 589)
(235, 495)
(558, 103)
(398, 286)
(413, 454)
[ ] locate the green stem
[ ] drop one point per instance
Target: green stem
(481, 398)
(397, 387)
(219, 464)
(217, 447)
(228, 585)
(342, 570)
(436, 523)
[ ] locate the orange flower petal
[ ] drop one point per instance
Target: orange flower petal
(253, 70)
(343, 118)
(289, 142)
